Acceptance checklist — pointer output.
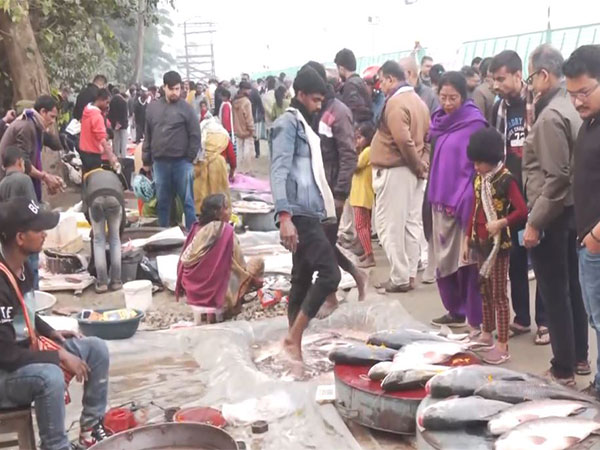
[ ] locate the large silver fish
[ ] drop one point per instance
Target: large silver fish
(456, 413)
(397, 339)
(531, 410)
(405, 379)
(520, 391)
(551, 433)
(463, 381)
(361, 355)
(380, 370)
(427, 352)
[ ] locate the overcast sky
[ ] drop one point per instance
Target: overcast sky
(247, 41)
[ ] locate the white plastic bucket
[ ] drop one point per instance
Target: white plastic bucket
(138, 295)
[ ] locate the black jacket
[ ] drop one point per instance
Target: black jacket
(172, 131)
(335, 128)
(18, 354)
(86, 96)
(258, 110)
(355, 94)
(117, 113)
(139, 112)
(586, 177)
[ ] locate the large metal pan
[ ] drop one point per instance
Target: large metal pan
(170, 436)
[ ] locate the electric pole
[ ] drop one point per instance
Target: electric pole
(198, 59)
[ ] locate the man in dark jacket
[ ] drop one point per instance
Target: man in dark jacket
(28, 375)
(547, 174)
(510, 119)
(334, 126)
(258, 113)
(117, 116)
(139, 113)
(88, 95)
(582, 71)
(354, 92)
(172, 143)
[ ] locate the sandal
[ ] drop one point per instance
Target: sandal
(494, 356)
(542, 336)
(515, 329)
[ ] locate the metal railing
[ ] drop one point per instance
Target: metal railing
(565, 39)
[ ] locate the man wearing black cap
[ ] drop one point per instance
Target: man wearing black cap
(30, 375)
(354, 92)
(303, 200)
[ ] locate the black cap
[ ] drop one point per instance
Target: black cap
(23, 214)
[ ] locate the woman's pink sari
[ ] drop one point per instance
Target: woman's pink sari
(205, 283)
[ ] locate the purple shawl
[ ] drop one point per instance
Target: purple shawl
(206, 283)
(450, 187)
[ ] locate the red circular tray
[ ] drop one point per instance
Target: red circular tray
(357, 378)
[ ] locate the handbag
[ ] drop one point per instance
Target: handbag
(38, 343)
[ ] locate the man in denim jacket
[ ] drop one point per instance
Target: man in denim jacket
(302, 201)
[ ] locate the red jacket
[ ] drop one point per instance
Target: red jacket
(93, 130)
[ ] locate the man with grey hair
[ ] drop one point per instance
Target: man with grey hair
(484, 95)
(409, 64)
(550, 231)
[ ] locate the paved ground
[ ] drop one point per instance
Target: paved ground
(423, 304)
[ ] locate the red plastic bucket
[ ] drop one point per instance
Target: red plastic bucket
(119, 419)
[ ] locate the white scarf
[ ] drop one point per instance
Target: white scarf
(487, 202)
(316, 160)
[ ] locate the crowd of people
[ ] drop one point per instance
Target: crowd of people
(475, 175)
(479, 173)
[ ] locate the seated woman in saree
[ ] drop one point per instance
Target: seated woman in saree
(212, 272)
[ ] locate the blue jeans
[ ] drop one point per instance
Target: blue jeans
(589, 278)
(174, 177)
(106, 212)
(44, 385)
(34, 265)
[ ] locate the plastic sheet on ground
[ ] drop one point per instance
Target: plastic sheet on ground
(260, 243)
(169, 237)
(167, 270)
(247, 183)
(226, 373)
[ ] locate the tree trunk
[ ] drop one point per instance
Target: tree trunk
(138, 62)
(25, 63)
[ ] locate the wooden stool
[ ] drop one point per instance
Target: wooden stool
(17, 420)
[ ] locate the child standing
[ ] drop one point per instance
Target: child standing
(498, 205)
(362, 195)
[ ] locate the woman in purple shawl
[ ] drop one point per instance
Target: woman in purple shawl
(450, 196)
(212, 272)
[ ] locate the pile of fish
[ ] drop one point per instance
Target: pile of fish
(513, 410)
(403, 359)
